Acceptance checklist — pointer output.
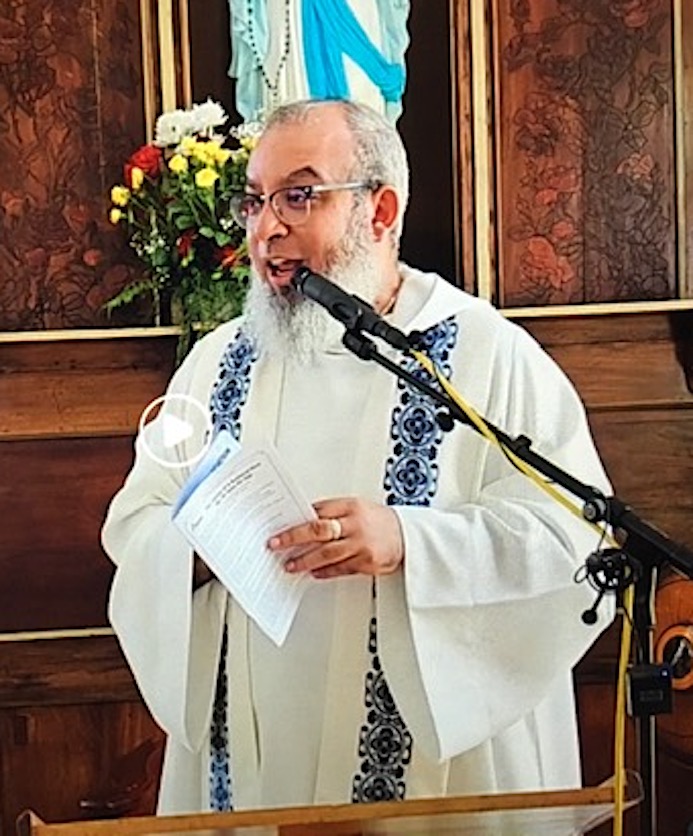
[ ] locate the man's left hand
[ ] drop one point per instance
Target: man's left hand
(350, 536)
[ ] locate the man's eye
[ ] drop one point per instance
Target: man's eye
(251, 204)
(298, 197)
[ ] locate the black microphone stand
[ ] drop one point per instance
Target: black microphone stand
(637, 561)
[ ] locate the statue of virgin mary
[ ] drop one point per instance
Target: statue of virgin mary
(285, 50)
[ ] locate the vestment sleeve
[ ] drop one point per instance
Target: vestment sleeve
(487, 601)
(170, 636)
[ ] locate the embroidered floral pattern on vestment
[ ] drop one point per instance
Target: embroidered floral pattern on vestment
(384, 740)
(411, 473)
(411, 478)
(220, 799)
(228, 398)
(231, 388)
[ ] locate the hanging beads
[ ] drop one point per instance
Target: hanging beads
(271, 85)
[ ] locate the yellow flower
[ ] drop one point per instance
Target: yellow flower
(120, 195)
(115, 215)
(206, 178)
(221, 155)
(240, 157)
(178, 164)
(136, 178)
(249, 142)
(204, 152)
(187, 144)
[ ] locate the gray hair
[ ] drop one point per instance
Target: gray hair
(380, 154)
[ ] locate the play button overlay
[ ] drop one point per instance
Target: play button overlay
(175, 430)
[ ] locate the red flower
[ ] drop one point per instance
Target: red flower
(185, 242)
(148, 158)
(227, 256)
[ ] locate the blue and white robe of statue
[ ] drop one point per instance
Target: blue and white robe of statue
(286, 50)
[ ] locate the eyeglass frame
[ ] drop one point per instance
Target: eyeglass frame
(309, 190)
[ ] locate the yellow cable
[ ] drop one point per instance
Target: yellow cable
(620, 719)
(488, 434)
(626, 632)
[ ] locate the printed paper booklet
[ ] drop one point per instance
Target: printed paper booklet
(234, 501)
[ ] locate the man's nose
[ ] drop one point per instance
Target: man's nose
(267, 223)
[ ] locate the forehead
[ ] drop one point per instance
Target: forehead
(321, 143)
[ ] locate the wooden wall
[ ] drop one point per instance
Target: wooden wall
(633, 372)
(69, 710)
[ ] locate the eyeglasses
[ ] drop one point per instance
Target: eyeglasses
(291, 204)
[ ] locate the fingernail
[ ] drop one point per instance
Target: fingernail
(290, 565)
(273, 543)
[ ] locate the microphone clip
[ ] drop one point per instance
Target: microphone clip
(608, 571)
(358, 344)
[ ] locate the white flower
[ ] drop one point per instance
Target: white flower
(207, 116)
(247, 130)
(199, 120)
(171, 127)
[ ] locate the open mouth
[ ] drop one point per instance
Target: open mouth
(282, 270)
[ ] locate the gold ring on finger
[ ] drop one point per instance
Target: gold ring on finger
(336, 529)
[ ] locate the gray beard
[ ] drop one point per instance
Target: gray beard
(299, 329)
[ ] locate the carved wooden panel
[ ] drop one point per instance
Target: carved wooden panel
(71, 111)
(584, 99)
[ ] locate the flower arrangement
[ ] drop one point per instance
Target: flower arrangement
(174, 206)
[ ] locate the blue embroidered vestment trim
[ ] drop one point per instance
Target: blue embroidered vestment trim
(411, 478)
(228, 397)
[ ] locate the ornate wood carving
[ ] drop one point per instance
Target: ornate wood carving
(71, 111)
(584, 106)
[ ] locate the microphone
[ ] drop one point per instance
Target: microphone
(348, 309)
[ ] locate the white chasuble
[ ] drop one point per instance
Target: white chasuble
(450, 676)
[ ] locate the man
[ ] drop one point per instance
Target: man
(434, 655)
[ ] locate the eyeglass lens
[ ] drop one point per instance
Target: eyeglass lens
(290, 204)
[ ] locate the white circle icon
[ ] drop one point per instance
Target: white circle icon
(181, 432)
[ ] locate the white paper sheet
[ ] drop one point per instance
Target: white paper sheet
(233, 503)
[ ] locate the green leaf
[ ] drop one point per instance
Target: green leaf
(160, 258)
(184, 222)
(129, 293)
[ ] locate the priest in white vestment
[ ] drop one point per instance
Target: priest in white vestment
(434, 653)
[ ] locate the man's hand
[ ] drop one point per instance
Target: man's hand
(350, 536)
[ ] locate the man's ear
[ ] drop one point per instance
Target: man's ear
(386, 207)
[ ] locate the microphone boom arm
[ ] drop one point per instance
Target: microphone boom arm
(596, 506)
